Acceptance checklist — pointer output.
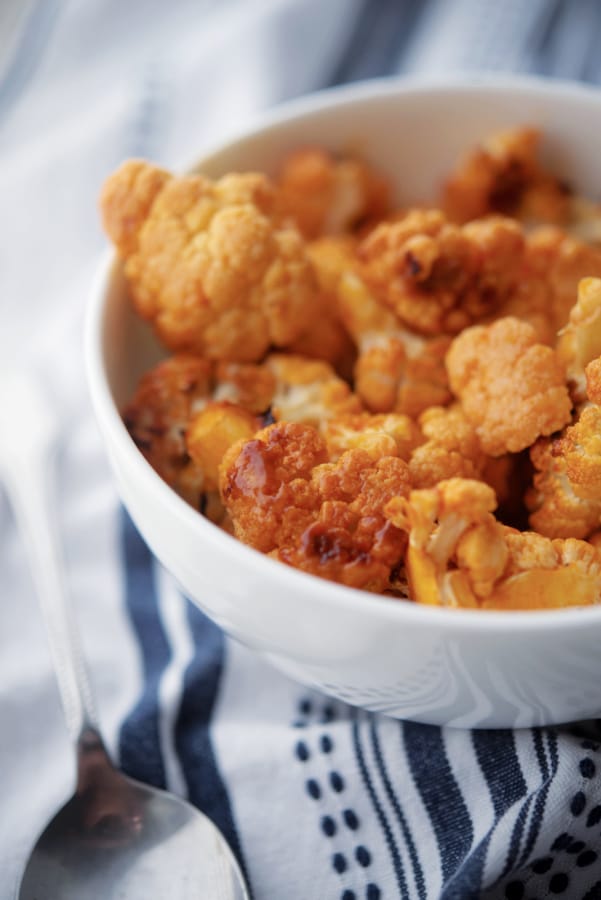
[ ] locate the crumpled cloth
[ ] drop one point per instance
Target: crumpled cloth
(319, 801)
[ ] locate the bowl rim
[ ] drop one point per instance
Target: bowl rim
(448, 619)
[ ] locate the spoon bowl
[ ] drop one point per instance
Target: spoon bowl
(119, 838)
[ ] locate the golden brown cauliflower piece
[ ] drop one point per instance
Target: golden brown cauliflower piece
(452, 448)
(212, 431)
(579, 342)
(308, 390)
(459, 555)
(158, 416)
(511, 388)
(456, 549)
(184, 414)
(326, 337)
(503, 175)
(565, 499)
(325, 195)
(546, 574)
(390, 434)
(209, 263)
(562, 262)
(405, 373)
(556, 510)
(324, 518)
(397, 370)
(248, 385)
(439, 277)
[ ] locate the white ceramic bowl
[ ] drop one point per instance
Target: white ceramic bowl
(455, 667)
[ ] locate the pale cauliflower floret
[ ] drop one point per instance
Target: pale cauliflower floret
(325, 518)
(209, 263)
(325, 195)
(511, 388)
(308, 390)
(379, 435)
(437, 520)
(580, 341)
(451, 448)
(438, 277)
(503, 175)
(565, 498)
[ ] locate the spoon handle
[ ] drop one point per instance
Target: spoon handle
(27, 477)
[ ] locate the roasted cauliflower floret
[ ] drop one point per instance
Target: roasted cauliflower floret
(562, 262)
(248, 385)
(451, 448)
(456, 549)
(266, 484)
(212, 431)
(390, 434)
(544, 574)
(503, 175)
(325, 195)
(459, 555)
(565, 498)
(405, 373)
(185, 413)
(396, 370)
(158, 416)
(512, 389)
(308, 390)
(579, 342)
(556, 510)
(324, 518)
(209, 263)
(439, 277)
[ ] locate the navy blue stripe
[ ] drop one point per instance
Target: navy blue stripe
(516, 836)
(393, 799)
(498, 760)
(548, 776)
(499, 763)
(206, 788)
(28, 54)
(139, 743)
(397, 863)
(438, 788)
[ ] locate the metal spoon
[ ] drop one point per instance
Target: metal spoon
(115, 837)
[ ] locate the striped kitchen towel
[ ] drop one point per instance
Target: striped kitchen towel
(319, 801)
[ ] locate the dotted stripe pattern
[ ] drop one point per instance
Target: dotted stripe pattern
(317, 744)
(555, 873)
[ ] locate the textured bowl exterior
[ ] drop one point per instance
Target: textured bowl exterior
(454, 667)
